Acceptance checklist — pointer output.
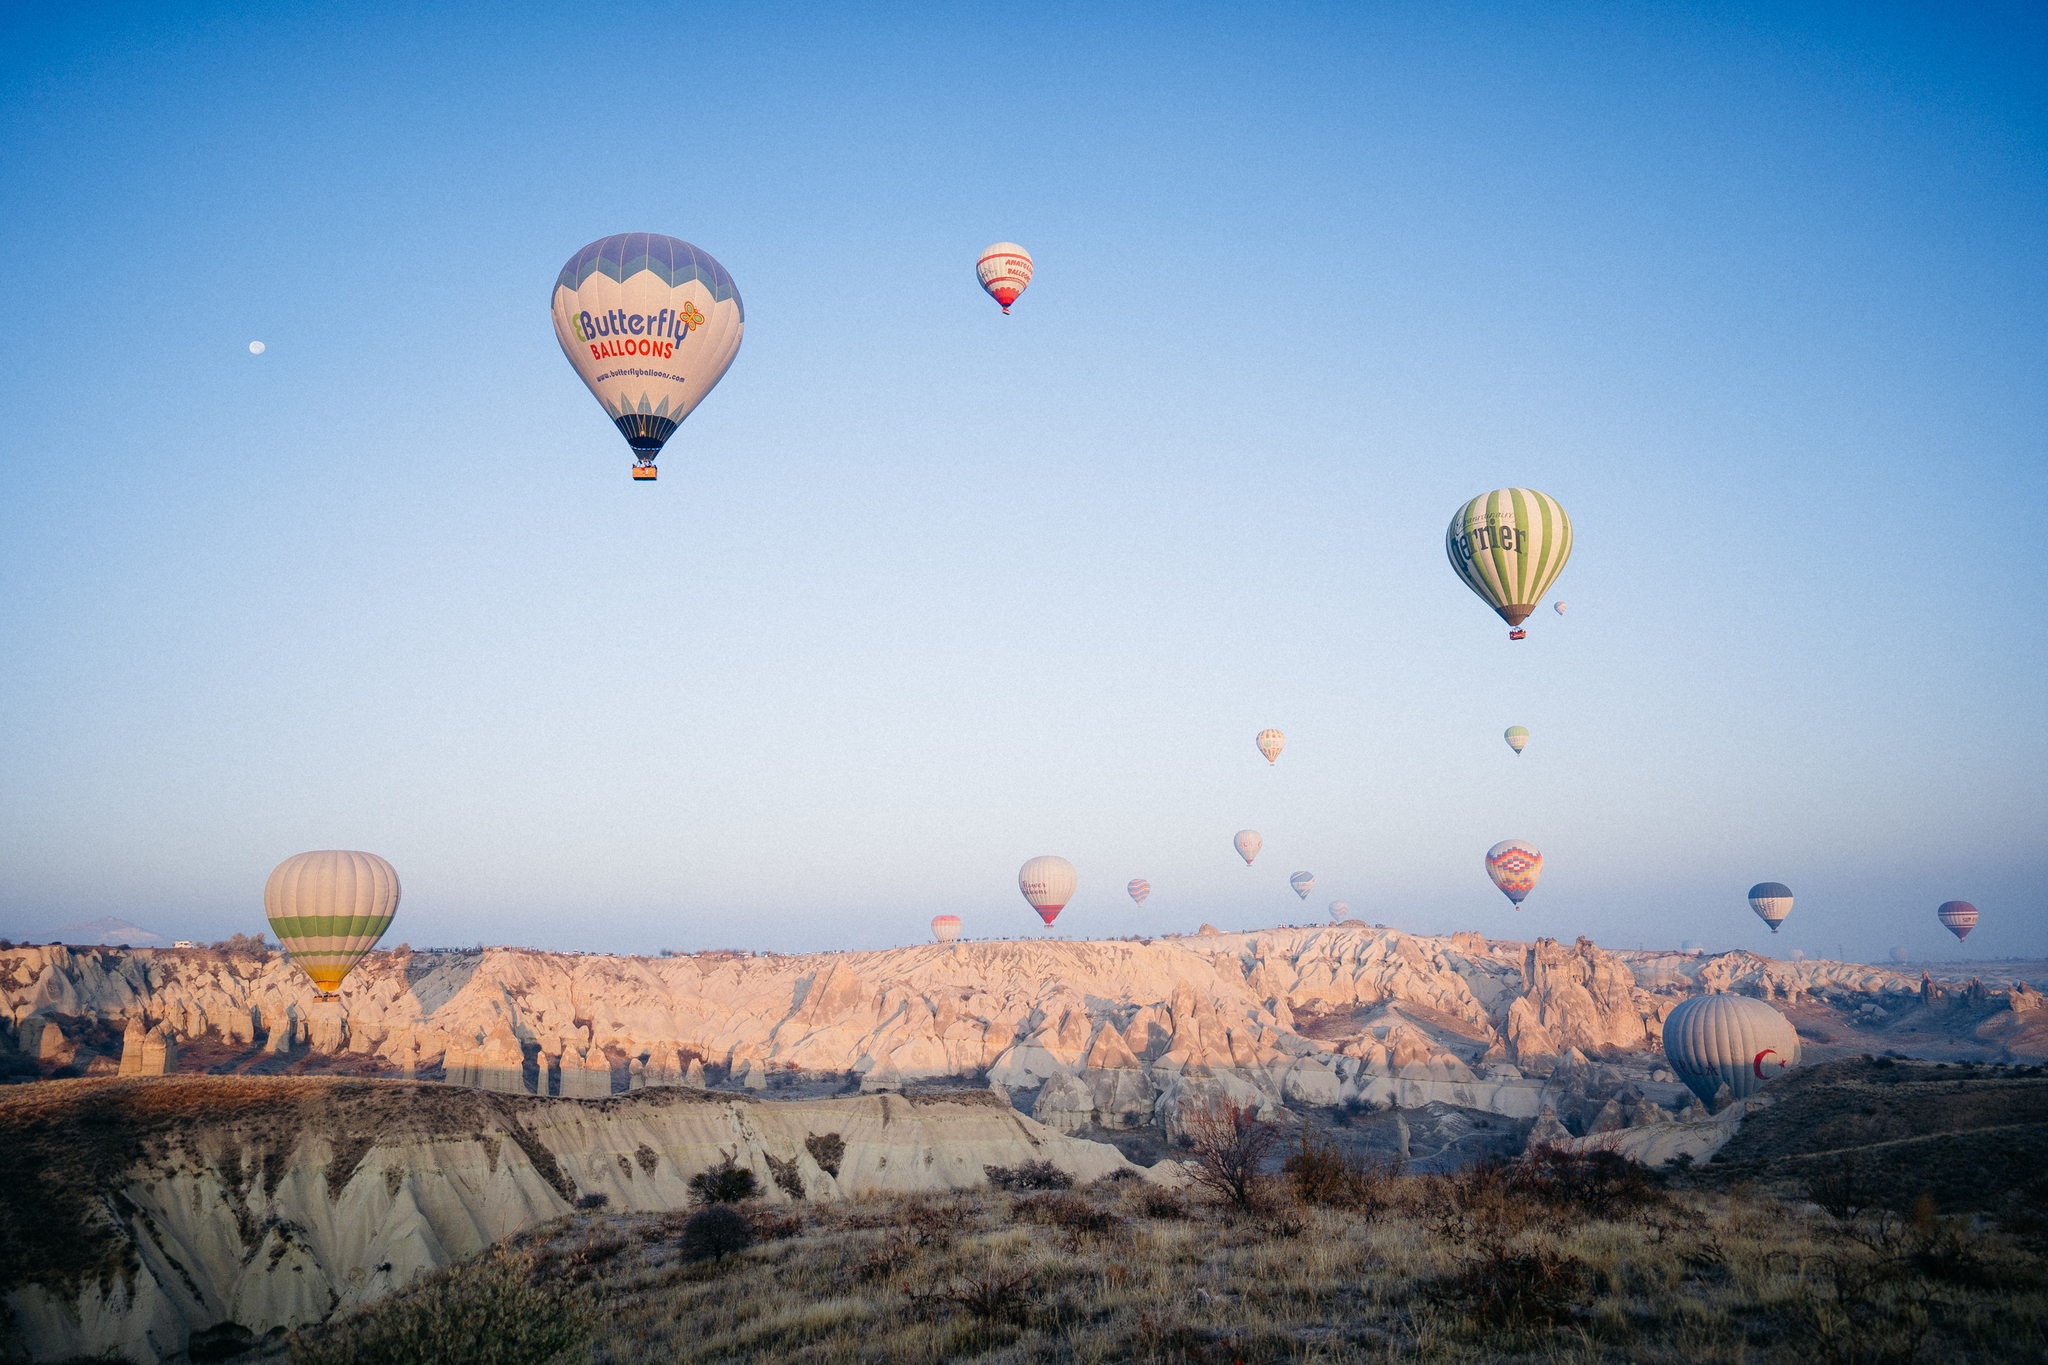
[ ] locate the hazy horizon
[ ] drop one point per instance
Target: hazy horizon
(924, 591)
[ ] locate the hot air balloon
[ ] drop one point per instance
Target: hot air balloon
(1048, 883)
(1509, 546)
(1901, 956)
(945, 928)
(1958, 917)
(1772, 901)
(1731, 1040)
(1248, 844)
(1271, 742)
(1517, 738)
(1691, 945)
(1005, 272)
(328, 909)
(1339, 912)
(1139, 889)
(1799, 955)
(1557, 607)
(1514, 865)
(651, 325)
(1303, 883)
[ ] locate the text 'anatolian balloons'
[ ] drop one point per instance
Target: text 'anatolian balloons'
(651, 324)
(1509, 546)
(329, 908)
(1047, 882)
(1514, 865)
(1004, 271)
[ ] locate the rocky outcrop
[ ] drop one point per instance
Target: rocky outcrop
(271, 1202)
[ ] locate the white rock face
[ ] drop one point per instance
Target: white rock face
(399, 1182)
(1316, 1015)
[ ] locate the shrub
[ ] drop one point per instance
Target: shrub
(1230, 1143)
(717, 1230)
(724, 1183)
(786, 1176)
(1519, 1288)
(593, 1201)
(1321, 1172)
(1598, 1184)
(1032, 1175)
(483, 1312)
(1067, 1211)
(1155, 1201)
(828, 1150)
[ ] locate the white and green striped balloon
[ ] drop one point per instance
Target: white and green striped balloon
(329, 908)
(1509, 546)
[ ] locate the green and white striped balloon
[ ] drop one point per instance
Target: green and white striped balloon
(1509, 546)
(329, 908)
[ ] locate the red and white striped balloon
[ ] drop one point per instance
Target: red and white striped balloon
(1005, 272)
(1958, 917)
(945, 928)
(1048, 883)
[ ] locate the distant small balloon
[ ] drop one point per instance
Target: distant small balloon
(1271, 742)
(1514, 865)
(255, 348)
(1691, 945)
(1901, 955)
(1248, 845)
(1303, 883)
(1958, 917)
(1339, 912)
(1048, 883)
(1558, 607)
(1799, 955)
(1772, 901)
(1004, 270)
(1139, 889)
(945, 928)
(1517, 738)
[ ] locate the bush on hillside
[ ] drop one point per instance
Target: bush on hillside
(1032, 1175)
(724, 1183)
(482, 1312)
(715, 1231)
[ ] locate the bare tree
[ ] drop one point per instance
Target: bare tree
(1230, 1143)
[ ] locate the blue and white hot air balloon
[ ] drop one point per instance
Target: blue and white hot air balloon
(1772, 901)
(651, 324)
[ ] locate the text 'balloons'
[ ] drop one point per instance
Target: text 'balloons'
(650, 324)
(1772, 901)
(1047, 882)
(1509, 546)
(1958, 917)
(1004, 271)
(1515, 866)
(328, 908)
(1247, 843)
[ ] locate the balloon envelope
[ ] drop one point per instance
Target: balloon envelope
(1958, 917)
(1558, 607)
(1514, 865)
(1047, 882)
(945, 928)
(1004, 271)
(1339, 911)
(1732, 1040)
(329, 908)
(650, 324)
(1303, 883)
(1271, 742)
(1139, 889)
(1248, 843)
(1509, 546)
(1772, 901)
(1901, 955)
(1517, 738)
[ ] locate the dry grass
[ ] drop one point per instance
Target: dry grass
(1488, 1266)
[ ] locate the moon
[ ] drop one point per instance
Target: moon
(255, 348)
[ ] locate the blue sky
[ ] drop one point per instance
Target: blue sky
(1758, 293)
